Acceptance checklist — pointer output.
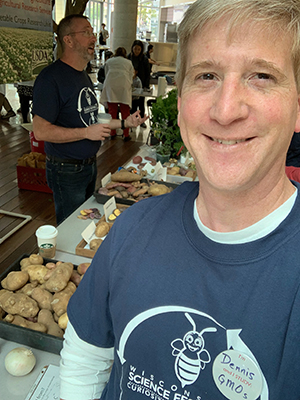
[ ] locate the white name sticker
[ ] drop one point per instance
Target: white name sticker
(237, 376)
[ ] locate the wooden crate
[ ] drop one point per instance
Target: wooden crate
(80, 249)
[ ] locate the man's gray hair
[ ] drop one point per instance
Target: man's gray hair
(281, 14)
(66, 25)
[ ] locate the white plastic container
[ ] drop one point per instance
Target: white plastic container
(104, 118)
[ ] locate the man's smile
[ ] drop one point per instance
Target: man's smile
(228, 142)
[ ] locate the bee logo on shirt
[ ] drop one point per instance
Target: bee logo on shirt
(191, 356)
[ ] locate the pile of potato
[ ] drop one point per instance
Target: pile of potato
(33, 160)
(128, 185)
(36, 297)
(180, 171)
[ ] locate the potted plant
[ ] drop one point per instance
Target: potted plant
(164, 125)
(163, 152)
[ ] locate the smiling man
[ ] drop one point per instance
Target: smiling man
(65, 109)
(206, 303)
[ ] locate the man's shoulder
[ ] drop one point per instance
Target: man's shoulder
(52, 67)
(50, 71)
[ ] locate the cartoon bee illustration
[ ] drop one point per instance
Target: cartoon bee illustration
(191, 357)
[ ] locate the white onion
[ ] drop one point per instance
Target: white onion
(19, 361)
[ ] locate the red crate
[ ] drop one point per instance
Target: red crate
(32, 179)
(36, 145)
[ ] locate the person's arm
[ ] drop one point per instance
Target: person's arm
(132, 121)
(147, 72)
(44, 130)
(151, 61)
(84, 368)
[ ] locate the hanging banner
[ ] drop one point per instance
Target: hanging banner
(26, 39)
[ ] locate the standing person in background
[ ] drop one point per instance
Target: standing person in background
(65, 109)
(101, 73)
(136, 84)
(6, 105)
(196, 294)
(117, 88)
(25, 95)
(104, 35)
(141, 64)
(148, 55)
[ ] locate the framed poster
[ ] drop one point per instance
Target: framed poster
(26, 39)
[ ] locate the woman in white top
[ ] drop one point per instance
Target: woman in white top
(117, 88)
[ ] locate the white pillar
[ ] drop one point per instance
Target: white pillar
(124, 24)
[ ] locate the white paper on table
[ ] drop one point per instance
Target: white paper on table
(106, 179)
(109, 207)
(47, 385)
(162, 174)
(28, 126)
(157, 172)
(151, 170)
(89, 233)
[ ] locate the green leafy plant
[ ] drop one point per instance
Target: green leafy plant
(164, 124)
(163, 148)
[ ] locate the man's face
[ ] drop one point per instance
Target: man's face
(83, 41)
(239, 106)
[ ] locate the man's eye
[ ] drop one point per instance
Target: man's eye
(262, 75)
(206, 77)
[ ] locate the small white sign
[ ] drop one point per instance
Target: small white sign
(150, 169)
(156, 172)
(106, 179)
(89, 233)
(109, 207)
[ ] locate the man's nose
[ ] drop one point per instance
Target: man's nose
(230, 102)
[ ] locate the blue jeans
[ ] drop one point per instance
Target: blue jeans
(72, 185)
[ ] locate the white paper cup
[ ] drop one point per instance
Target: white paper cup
(46, 238)
(104, 118)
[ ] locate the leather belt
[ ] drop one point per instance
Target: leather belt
(87, 161)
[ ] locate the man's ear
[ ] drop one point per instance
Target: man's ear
(178, 108)
(68, 40)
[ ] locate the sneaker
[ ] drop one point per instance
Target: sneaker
(9, 114)
(143, 125)
(127, 138)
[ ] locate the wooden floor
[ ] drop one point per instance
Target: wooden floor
(14, 142)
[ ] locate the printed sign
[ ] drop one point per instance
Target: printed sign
(26, 39)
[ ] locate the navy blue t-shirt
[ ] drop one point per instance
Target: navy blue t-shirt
(293, 154)
(171, 301)
(65, 97)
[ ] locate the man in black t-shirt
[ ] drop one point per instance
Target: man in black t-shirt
(65, 111)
